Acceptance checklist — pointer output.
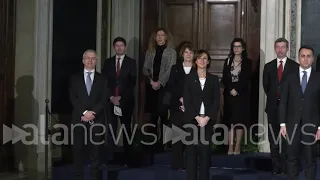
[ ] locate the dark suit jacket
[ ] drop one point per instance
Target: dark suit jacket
(297, 107)
(81, 101)
(272, 86)
(175, 85)
(193, 97)
(126, 81)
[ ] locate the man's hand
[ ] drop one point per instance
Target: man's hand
(283, 131)
(318, 135)
(89, 115)
(115, 100)
(181, 100)
(233, 92)
(83, 118)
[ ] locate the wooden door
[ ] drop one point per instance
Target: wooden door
(7, 50)
(208, 24)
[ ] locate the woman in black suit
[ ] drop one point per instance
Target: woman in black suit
(236, 82)
(201, 103)
(175, 85)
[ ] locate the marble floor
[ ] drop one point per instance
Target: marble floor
(22, 176)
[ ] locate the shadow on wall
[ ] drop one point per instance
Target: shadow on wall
(26, 112)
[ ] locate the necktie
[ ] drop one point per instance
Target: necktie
(280, 70)
(304, 81)
(118, 66)
(88, 82)
(118, 72)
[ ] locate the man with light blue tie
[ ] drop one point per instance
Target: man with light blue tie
(299, 115)
(88, 95)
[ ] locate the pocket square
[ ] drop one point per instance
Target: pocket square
(117, 111)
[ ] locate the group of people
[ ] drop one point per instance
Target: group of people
(179, 84)
(293, 106)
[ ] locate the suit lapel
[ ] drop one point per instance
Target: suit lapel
(113, 66)
(285, 69)
(123, 65)
(82, 77)
(297, 82)
(93, 86)
(309, 83)
(197, 83)
(275, 70)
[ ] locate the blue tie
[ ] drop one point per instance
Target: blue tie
(88, 82)
(304, 81)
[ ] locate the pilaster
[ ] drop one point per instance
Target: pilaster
(272, 26)
(126, 23)
(42, 73)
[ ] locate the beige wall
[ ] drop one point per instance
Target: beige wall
(25, 104)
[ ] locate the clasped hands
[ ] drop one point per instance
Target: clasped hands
(88, 116)
(233, 92)
(155, 85)
(283, 131)
(202, 121)
(115, 100)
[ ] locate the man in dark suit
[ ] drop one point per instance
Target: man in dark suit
(121, 72)
(274, 74)
(299, 115)
(88, 95)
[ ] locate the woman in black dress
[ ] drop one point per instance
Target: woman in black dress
(201, 100)
(175, 85)
(236, 82)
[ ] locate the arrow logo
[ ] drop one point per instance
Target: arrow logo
(173, 134)
(13, 134)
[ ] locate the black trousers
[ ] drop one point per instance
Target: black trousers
(125, 121)
(301, 141)
(92, 137)
(177, 161)
(198, 148)
(157, 110)
(277, 144)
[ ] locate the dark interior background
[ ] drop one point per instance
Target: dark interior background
(74, 31)
(310, 13)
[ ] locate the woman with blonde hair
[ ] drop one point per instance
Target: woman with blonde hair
(159, 59)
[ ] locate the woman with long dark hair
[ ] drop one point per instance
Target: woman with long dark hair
(236, 82)
(201, 100)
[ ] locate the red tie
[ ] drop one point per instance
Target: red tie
(118, 72)
(280, 70)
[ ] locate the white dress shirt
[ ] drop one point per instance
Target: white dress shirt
(284, 60)
(85, 75)
(301, 74)
(202, 82)
(121, 60)
(187, 69)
